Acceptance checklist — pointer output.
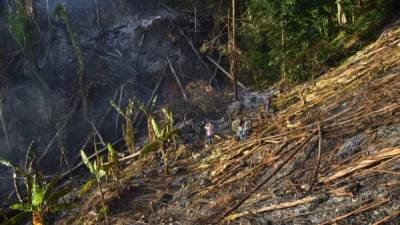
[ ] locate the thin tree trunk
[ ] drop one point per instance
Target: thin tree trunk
(283, 66)
(232, 48)
(341, 15)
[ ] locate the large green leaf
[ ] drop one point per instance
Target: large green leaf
(18, 219)
(156, 128)
(87, 163)
(37, 195)
(24, 207)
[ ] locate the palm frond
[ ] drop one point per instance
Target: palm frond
(24, 207)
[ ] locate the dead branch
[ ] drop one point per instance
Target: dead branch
(266, 179)
(358, 211)
(177, 80)
(387, 219)
(382, 155)
(225, 72)
(283, 205)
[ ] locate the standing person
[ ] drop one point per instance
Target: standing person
(240, 129)
(246, 127)
(267, 104)
(239, 132)
(210, 133)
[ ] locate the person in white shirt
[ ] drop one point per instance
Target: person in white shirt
(210, 133)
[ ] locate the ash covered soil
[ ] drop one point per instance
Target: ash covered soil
(330, 155)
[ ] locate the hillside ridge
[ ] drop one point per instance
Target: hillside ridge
(329, 157)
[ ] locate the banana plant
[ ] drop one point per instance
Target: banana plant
(41, 198)
(96, 168)
(163, 133)
(128, 131)
(113, 166)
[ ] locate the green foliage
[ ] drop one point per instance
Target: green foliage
(113, 163)
(94, 167)
(24, 207)
(86, 187)
(37, 195)
(164, 132)
(18, 23)
(300, 39)
(128, 131)
(43, 199)
(97, 169)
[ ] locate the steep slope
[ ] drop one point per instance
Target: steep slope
(331, 156)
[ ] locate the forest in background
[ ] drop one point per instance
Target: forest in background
(292, 41)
